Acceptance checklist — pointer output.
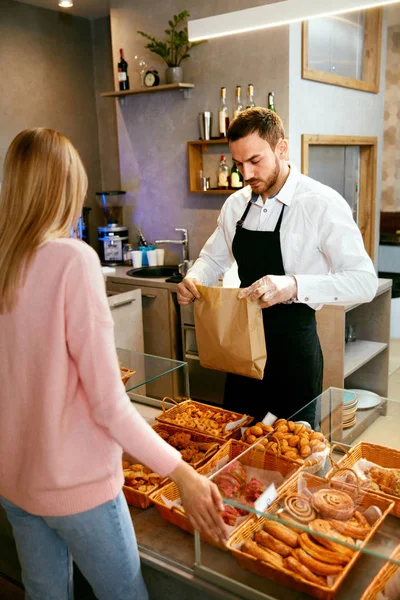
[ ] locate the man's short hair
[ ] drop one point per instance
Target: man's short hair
(259, 120)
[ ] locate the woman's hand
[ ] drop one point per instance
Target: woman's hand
(201, 500)
(187, 291)
(271, 289)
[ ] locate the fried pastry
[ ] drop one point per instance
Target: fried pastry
(268, 541)
(250, 547)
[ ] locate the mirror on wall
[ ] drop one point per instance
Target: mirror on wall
(344, 50)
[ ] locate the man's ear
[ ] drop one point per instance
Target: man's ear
(282, 148)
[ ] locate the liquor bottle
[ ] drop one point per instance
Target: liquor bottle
(238, 107)
(223, 119)
(236, 177)
(271, 101)
(141, 239)
(223, 174)
(123, 72)
(250, 96)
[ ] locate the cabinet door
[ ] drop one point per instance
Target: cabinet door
(126, 310)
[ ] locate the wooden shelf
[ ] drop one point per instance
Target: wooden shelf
(226, 192)
(196, 150)
(358, 353)
(148, 90)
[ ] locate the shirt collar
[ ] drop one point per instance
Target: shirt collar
(286, 193)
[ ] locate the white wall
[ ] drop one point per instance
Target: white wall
(319, 108)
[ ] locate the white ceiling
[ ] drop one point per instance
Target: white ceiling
(90, 9)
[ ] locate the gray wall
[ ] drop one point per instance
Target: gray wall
(153, 129)
(47, 80)
(318, 108)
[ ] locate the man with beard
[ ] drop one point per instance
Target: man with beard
(297, 247)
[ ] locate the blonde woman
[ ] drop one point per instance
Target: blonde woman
(64, 413)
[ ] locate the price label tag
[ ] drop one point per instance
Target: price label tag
(269, 419)
(266, 499)
(234, 424)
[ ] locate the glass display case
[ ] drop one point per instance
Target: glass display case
(148, 368)
(328, 525)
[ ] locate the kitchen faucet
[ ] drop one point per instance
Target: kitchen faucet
(184, 242)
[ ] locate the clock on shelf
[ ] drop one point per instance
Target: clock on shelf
(151, 78)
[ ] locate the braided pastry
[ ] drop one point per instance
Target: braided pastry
(268, 541)
(316, 566)
(299, 507)
(333, 504)
(320, 552)
(357, 527)
(293, 564)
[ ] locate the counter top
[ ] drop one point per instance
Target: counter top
(120, 276)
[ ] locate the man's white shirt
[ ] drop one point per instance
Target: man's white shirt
(321, 244)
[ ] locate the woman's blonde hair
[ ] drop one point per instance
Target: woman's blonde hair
(42, 194)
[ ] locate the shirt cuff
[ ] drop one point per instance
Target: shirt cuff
(309, 291)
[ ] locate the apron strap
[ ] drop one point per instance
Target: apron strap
(239, 224)
(278, 225)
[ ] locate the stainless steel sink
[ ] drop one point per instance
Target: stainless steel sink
(162, 272)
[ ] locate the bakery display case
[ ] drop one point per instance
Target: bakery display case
(331, 529)
(144, 369)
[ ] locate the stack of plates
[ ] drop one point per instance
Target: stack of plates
(350, 405)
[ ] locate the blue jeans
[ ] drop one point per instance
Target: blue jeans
(101, 541)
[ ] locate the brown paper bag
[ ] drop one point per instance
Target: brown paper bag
(229, 332)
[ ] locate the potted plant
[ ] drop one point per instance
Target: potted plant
(175, 49)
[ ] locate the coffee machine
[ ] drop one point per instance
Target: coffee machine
(113, 236)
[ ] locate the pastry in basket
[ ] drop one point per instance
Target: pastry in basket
(357, 527)
(179, 440)
(321, 526)
(281, 532)
(321, 553)
(333, 504)
(269, 556)
(291, 440)
(292, 564)
(231, 479)
(316, 566)
(387, 480)
(269, 541)
(299, 507)
(256, 432)
(231, 514)
(140, 478)
(250, 491)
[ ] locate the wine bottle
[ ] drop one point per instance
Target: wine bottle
(250, 96)
(238, 107)
(123, 72)
(141, 239)
(236, 177)
(223, 174)
(271, 101)
(223, 115)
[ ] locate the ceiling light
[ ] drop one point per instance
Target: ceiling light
(272, 15)
(65, 3)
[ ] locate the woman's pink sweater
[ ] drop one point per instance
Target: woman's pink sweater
(64, 413)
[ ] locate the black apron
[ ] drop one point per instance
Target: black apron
(294, 367)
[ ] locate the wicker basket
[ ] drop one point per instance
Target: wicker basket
(381, 579)
(290, 578)
(232, 449)
(126, 374)
(181, 407)
(195, 437)
(135, 497)
(388, 458)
